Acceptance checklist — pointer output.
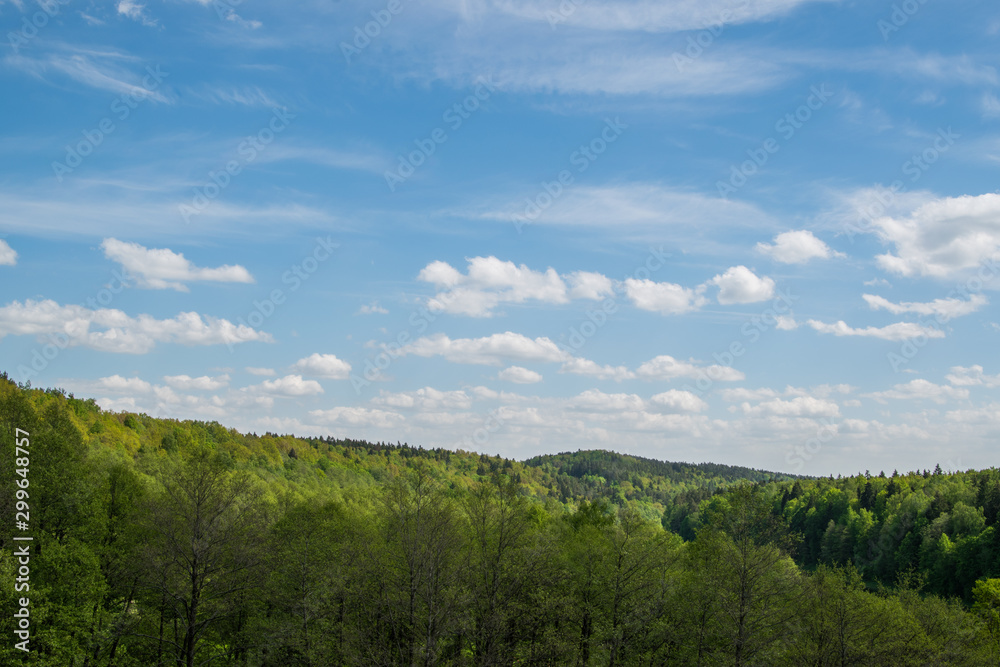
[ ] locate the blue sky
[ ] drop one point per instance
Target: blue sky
(759, 233)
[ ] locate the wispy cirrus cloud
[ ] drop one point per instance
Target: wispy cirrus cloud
(101, 70)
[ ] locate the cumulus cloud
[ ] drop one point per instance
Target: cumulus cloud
(677, 400)
(162, 268)
(972, 376)
(373, 308)
(111, 330)
(488, 351)
(588, 368)
(665, 367)
(664, 298)
(797, 247)
(943, 237)
(290, 385)
(358, 417)
(253, 370)
(135, 11)
(950, 308)
(117, 383)
(589, 285)
(740, 285)
(741, 394)
(519, 375)
(802, 406)
(920, 390)
(324, 366)
(8, 256)
(894, 332)
(487, 283)
(594, 400)
(786, 323)
(427, 398)
(203, 383)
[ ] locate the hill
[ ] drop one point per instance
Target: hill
(159, 541)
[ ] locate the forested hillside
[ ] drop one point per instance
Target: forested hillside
(161, 542)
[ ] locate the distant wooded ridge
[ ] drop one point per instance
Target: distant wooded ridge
(160, 541)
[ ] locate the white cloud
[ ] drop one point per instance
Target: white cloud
(203, 383)
(100, 69)
(650, 206)
(161, 268)
(676, 400)
(802, 406)
(488, 283)
(358, 417)
(651, 15)
(797, 247)
(117, 383)
(741, 394)
(973, 376)
(950, 308)
(135, 11)
(895, 332)
(991, 105)
(740, 285)
(664, 298)
(290, 385)
(116, 331)
(943, 237)
(373, 308)
(490, 351)
(519, 375)
(587, 285)
(440, 274)
(586, 367)
(920, 390)
(427, 398)
(252, 370)
(8, 257)
(324, 366)
(786, 323)
(665, 367)
(594, 400)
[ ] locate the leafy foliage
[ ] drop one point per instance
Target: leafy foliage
(181, 542)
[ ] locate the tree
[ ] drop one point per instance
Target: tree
(204, 534)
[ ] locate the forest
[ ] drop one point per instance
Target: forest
(166, 542)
